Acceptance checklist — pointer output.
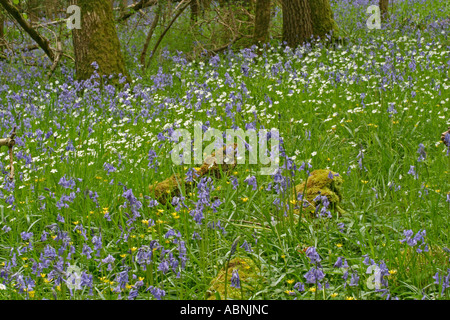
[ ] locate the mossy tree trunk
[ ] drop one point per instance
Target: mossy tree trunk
(2, 31)
(297, 24)
(262, 21)
(384, 9)
(322, 18)
(195, 10)
(97, 41)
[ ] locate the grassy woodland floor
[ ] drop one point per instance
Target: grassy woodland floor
(80, 222)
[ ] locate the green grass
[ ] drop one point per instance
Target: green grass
(323, 121)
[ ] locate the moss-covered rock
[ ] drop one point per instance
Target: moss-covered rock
(250, 280)
(169, 188)
(319, 182)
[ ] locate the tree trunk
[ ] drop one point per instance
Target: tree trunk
(322, 18)
(97, 41)
(384, 9)
(195, 9)
(2, 31)
(262, 21)
(297, 24)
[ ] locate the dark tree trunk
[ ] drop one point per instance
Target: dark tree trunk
(2, 31)
(297, 25)
(322, 18)
(384, 9)
(97, 41)
(262, 21)
(195, 10)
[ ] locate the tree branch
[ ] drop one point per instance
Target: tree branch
(135, 8)
(180, 11)
(36, 36)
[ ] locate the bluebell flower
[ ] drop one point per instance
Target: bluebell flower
(299, 286)
(156, 292)
(314, 275)
(421, 152)
(246, 246)
(235, 281)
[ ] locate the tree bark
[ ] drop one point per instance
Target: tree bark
(195, 10)
(384, 9)
(262, 21)
(297, 24)
(322, 18)
(97, 41)
(2, 31)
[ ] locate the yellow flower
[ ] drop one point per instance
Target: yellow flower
(123, 255)
(291, 281)
(75, 223)
(141, 278)
(144, 221)
(350, 298)
(244, 199)
(339, 245)
(334, 295)
(133, 249)
(312, 289)
(31, 294)
(364, 181)
(58, 288)
(283, 256)
(392, 272)
(290, 292)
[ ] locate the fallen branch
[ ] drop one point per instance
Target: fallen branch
(10, 142)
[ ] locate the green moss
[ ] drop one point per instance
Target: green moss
(165, 190)
(322, 18)
(319, 182)
(250, 279)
